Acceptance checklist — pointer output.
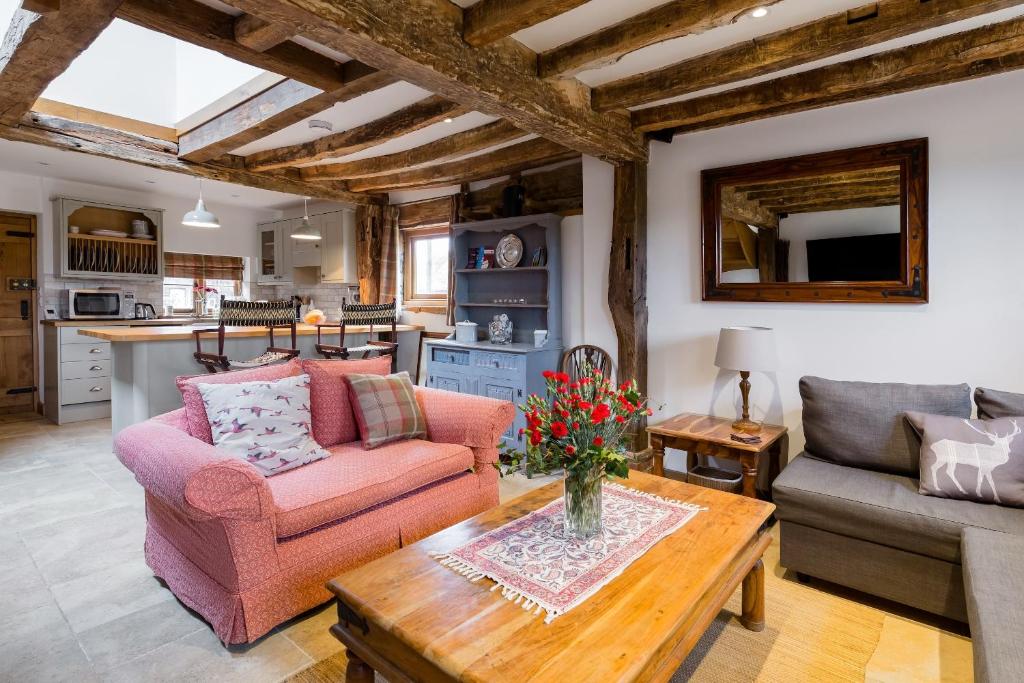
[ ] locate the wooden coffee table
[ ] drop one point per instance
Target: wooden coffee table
(411, 619)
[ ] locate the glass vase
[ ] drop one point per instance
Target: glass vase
(583, 502)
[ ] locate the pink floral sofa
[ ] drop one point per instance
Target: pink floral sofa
(248, 552)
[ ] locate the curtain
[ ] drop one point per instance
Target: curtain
(203, 267)
(454, 217)
(388, 288)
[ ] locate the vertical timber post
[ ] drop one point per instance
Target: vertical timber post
(627, 278)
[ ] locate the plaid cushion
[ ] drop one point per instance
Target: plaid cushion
(385, 408)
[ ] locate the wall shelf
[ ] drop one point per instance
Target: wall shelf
(487, 305)
(81, 255)
(527, 269)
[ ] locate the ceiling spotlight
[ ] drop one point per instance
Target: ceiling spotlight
(449, 120)
(759, 12)
(320, 123)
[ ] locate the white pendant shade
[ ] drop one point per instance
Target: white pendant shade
(746, 349)
(306, 231)
(200, 217)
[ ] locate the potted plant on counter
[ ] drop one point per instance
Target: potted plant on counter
(579, 427)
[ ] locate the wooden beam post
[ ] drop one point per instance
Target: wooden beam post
(39, 47)
(627, 278)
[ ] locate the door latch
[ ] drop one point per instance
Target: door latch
(24, 309)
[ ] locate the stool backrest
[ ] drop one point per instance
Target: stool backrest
(368, 314)
(256, 313)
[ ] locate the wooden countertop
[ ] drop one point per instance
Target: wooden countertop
(178, 332)
(124, 322)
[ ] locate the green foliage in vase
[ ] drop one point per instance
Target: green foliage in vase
(577, 426)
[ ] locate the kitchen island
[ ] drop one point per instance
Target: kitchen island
(147, 359)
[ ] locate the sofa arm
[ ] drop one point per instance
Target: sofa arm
(194, 477)
(474, 421)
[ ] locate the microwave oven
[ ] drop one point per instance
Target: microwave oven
(81, 304)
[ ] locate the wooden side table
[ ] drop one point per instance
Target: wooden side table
(707, 435)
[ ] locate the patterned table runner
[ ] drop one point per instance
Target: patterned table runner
(536, 566)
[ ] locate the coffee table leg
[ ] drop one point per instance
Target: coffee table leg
(359, 671)
(753, 598)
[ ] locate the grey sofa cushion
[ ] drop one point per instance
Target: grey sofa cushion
(861, 423)
(994, 582)
(994, 404)
(882, 508)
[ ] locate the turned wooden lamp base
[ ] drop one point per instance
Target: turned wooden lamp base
(745, 425)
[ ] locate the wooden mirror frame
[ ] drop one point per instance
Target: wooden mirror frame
(912, 158)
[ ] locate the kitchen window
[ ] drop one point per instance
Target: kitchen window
(425, 256)
(184, 273)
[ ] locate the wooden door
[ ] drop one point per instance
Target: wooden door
(17, 312)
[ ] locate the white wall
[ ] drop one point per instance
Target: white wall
(970, 332)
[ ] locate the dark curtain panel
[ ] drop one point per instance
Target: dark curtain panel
(376, 253)
(388, 288)
(454, 217)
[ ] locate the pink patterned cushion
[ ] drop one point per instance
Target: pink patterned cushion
(385, 408)
(353, 479)
(195, 411)
(333, 422)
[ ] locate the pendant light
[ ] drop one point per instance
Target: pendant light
(306, 231)
(199, 217)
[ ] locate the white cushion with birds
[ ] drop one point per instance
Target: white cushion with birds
(266, 423)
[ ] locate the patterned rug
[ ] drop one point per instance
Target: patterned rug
(537, 566)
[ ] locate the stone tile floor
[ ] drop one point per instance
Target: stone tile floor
(78, 603)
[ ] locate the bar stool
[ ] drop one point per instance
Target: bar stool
(236, 313)
(362, 314)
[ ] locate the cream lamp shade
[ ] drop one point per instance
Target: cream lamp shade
(746, 349)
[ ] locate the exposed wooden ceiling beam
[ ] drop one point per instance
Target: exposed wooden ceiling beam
(275, 108)
(421, 42)
(446, 148)
(972, 54)
(39, 47)
(837, 204)
(507, 160)
(100, 118)
(871, 174)
(491, 20)
(863, 187)
(406, 120)
(64, 134)
(41, 6)
(833, 35)
(671, 20)
(196, 23)
(259, 35)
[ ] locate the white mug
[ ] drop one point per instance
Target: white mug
(540, 338)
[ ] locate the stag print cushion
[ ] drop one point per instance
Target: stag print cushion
(979, 460)
(266, 423)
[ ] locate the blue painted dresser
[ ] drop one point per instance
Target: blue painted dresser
(505, 371)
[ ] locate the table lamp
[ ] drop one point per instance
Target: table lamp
(746, 349)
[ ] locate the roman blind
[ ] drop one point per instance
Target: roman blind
(203, 266)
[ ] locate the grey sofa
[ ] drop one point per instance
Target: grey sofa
(850, 513)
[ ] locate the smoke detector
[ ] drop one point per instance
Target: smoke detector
(320, 123)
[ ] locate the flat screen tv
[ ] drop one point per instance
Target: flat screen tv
(854, 259)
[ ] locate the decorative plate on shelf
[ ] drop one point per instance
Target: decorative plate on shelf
(141, 237)
(107, 233)
(509, 251)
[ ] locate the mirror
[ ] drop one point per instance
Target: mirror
(838, 226)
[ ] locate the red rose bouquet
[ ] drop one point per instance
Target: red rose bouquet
(579, 427)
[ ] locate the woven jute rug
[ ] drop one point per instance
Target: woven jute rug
(814, 632)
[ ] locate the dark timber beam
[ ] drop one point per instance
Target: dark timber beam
(39, 47)
(833, 35)
(671, 20)
(67, 135)
(418, 115)
(458, 144)
(421, 42)
(507, 160)
(196, 23)
(627, 278)
(491, 20)
(41, 6)
(984, 51)
(256, 34)
(275, 108)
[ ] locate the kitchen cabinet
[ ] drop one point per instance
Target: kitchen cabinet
(113, 254)
(275, 252)
(306, 253)
(76, 375)
(338, 253)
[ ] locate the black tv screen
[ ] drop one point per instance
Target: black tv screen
(854, 259)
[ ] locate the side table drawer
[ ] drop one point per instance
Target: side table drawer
(99, 350)
(85, 390)
(79, 369)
